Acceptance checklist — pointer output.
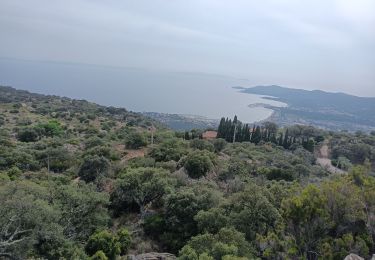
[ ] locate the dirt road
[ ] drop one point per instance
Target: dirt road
(324, 161)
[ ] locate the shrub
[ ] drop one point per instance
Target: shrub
(103, 241)
(28, 135)
(198, 164)
(93, 167)
(135, 140)
(124, 238)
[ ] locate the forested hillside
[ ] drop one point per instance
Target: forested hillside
(83, 181)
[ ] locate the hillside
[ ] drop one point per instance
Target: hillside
(335, 111)
(84, 181)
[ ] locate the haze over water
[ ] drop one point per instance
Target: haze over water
(139, 90)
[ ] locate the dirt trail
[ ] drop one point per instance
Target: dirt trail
(324, 161)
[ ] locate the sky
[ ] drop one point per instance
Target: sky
(310, 44)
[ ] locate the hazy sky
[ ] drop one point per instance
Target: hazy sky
(312, 44)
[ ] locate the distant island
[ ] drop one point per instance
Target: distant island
(333, 111)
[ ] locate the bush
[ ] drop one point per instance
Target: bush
(28, 135)
(201, 145)
(219, 144)
(279, 174)
(198, 164)
(94, 167)
(170, 150)
(50, 129)
(93, 141)
(124, 238)
(135, 140)
(103, 241)
(99, 256)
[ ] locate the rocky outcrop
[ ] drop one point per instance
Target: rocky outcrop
(152, 256)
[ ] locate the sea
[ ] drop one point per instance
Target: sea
(139, 90)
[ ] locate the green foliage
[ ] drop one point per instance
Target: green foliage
(14, 173)
(307, 218)
(135, 140)
(201, 144)
(141, 186)
(103, 241)
(253, 203)
(227, 243)
(106, 245)
(124, 238)
(28, 135)
(169, 150)
(94, 167)
(99, 255)
(219, 144)
(93, 142)
(50, 129)
(279, 174)
(265, 196)
(199, 163)
(180, 210)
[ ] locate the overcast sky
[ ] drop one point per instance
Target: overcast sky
(311, 44)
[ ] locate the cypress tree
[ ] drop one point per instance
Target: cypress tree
(286, 139)
(228, 131)
(273, 139)
(257, 135)
(246, 137)
(220, 130)
(187, 135)
(252, 135)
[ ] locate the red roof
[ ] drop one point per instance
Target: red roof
(209, 135)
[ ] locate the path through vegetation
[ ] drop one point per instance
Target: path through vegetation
(324, 160)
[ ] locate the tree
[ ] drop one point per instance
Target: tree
(221, 129)
(180, 209)
(82, 209)
(94, 167)
(256, 137)
(286, 143)
(252, 204)
(25, 217)
(271, 128)
(307, 219)
(170, 149)
(198, 164)
(135, 140)
(141, 186)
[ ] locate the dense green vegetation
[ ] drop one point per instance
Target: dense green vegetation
(82, 181)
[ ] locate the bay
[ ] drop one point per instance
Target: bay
(140, 90)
